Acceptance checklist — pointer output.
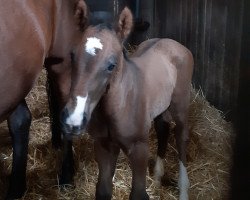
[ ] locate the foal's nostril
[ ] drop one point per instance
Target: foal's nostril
(84, 120)
(76, 130)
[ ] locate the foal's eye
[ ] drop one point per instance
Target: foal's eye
(111, 67)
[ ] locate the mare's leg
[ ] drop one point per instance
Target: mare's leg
(106, 154)
(138, 156)
(19, 123)
(162, 128)
(180, 115)
(54, 112)
(58, 86)
(68, 165)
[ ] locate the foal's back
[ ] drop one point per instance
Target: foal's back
(167, 67)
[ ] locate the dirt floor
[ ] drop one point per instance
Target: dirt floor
(209, 156)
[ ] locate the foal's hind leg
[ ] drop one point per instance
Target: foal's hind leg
(106, 154)
(180, 115)
(19, 124)
(162, 128)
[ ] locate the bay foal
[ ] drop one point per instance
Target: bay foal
(120, 96)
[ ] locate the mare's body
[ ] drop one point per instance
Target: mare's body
(31, 32)
(120, 97)
(25, 40)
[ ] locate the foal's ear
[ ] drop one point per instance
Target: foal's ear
(125, 24)
(81, 14)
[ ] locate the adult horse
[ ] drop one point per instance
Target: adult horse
(120, 96)
(33, 33)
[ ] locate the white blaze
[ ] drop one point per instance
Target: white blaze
(158, 170)
(75, 119)
(183, 182)
(92, 44)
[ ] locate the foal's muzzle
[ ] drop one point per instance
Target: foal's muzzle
(70, 130)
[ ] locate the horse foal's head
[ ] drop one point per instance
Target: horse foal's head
(96, 60)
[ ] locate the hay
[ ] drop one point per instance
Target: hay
(208, 158)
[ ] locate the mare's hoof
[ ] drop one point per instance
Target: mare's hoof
(103, 197)
(143, 196)
(66, 180)
(67, 174)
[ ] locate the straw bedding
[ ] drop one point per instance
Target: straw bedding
(209, 155)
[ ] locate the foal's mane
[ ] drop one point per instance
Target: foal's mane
(104, 26)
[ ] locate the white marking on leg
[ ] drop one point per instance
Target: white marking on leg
(158, 170)
(183, 182)
(92, 44)
(75, 119)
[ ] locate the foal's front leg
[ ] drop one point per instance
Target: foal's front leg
(138, 156)
(19, 123)
(106, 154)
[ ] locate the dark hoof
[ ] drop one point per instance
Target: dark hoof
(67, 173)
(66, 180)
(143, 196)
(67, 176)
(103, 197)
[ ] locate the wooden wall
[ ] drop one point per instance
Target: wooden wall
(212, 30)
